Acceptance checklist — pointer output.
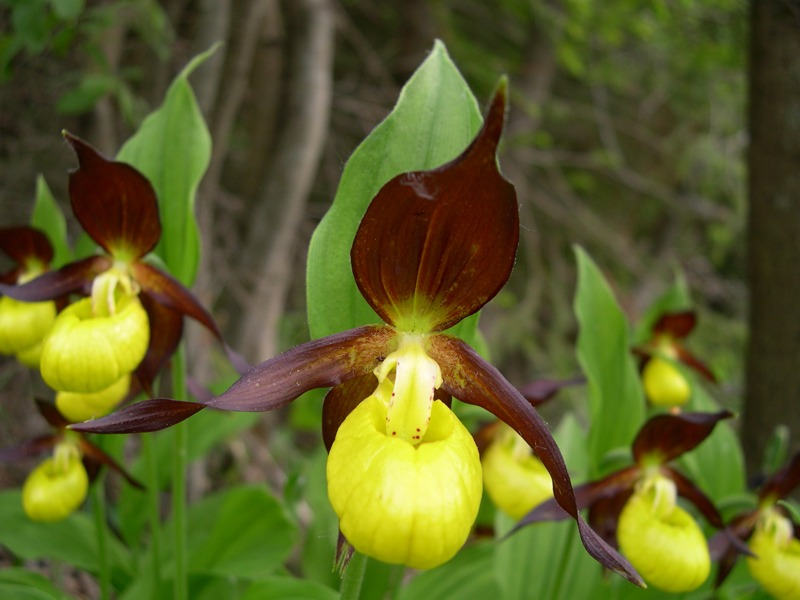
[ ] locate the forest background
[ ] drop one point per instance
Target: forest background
(628, 134)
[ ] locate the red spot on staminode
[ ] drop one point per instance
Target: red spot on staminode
(394, 433)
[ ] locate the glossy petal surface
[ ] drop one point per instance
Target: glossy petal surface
(435, 246)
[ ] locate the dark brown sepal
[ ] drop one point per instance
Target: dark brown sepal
(142, 417)
(320, 363)
(665, 437)
(74, 278)
(676, 325)
(166, 327)
(28, 448)
(25, 245)
(783, 481)
(471, 379)
(114, 203)
(434, 246)
(695, 363)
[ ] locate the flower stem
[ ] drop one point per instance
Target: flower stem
(181, 582)
(99, 510)
(153, 506)
(353, 577)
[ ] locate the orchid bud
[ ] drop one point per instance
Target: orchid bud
(57, 487)
(87, 353)
(776, 564)
(664, 384)
(514, 478)
(404, 503)
(662, 540)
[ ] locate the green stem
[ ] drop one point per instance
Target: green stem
(353, 577)
(153, 506)
(99, 510)
(181, 589)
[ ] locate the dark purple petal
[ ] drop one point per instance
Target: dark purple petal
(166, 327)
(50, 413)
(695, 363)
(434, 246)
(168, 291)
(74, 278)
(604, 515)
(114, 203)
(667, 436)
(471, 379)
(95, 455)
(320, 363)
(695, 495)
(142, 417)
(340, 402)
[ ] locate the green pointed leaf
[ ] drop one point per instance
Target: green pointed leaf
(48, 216)
(244, 532)
(21, 584)
(616, 400)
(172, 149)
(435, 118)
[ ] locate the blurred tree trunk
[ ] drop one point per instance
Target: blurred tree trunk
(773, 356)
(271, 260)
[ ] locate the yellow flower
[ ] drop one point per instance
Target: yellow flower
(776, 564)
(23, 325)
(662, 541)
(404, 476)
(664, 384)
(57, 487)
(515, 479)
(97, 340)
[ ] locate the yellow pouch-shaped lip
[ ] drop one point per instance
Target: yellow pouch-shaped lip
(78, 407)
(664, 384)
(776, 565)
(23, 325)
(87, 354)
(55, 489)
(663, 542)
(403, 503)
(515, 480)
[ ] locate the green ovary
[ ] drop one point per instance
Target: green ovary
(515, 479)
(56, 488)
(78, 407)
(85, 353)
(664, 384)
(402, 503)
(23, 325)
(776, 564)
(663, 543)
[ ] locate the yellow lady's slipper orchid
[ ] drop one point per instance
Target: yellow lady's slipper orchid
(661, 539)
(776, 564)
(664, 384)
(87, 353)
(79, 407)
(57, 487)
(515, 479)
(406, 503)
